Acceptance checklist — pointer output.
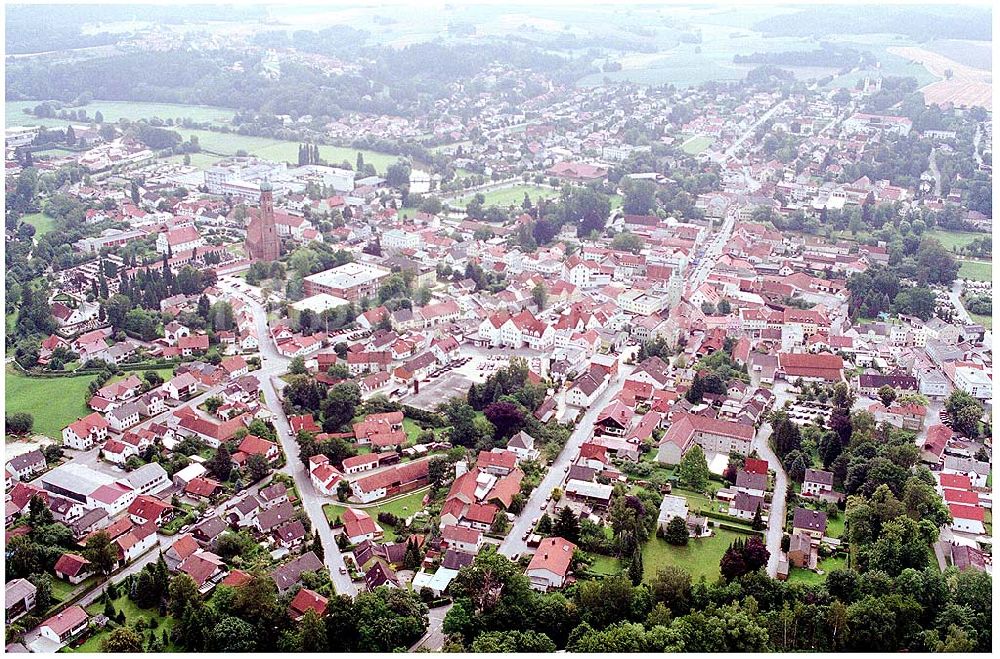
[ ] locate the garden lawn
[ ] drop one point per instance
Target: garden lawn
(43, 223)
(605, 565)
(695, 500)
(402, 507)
(985, 321)
(802, 575)
(700, 557)
(132, 615)
(54, 402)
(978, 270)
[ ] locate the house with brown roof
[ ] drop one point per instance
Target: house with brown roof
(306, 600)
(72, 568)
(290, 573)
(550, 565)
(64, 625)
(713, 435)
(810, 522)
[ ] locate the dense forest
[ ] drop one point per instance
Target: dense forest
(394, 81)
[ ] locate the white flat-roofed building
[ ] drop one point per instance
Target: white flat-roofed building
(319, 303)
(351, 281)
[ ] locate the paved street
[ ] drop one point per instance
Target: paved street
(776, 518)
(513, 544)
(713, 250)
(274, 364)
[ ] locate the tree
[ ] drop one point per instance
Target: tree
(507, 418)
(312, 633)
(184, 594)
(100, 551)
(18, 423)
(786, 437)
(539, 296)
(627, 242)
(339, 406)
(297, 366)
(567, 525)
(672, 586)
(257, 467)
(122, 639)
(676, 532)
(886, 394)
(153, 379)
(640, 198)
(693, 469)
(743, 557)
(231, 634)
(343, 490)
(758, 521)
(499, 525)
(221, 464)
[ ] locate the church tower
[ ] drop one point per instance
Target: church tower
(262, 243)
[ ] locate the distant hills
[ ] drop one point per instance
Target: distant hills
(921, 23)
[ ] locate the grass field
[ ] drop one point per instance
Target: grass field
(402, 507)
(954, 239)
(229, 143)
(978, 270)
(115, 110)
(985, 321)
(43, 223)
(696, 144)
(512, 196)
(54, 402)
(202, 160)
(700, 557)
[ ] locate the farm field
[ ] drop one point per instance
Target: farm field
(700, 556)
(43, 223)
(979, 270)
(967, 85)
(115, 110)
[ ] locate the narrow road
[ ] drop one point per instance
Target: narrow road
(274, 364)
(513, 544)
(935, 172)
(955, 294)
(731, 151)
(776, 518)
(433, 638)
